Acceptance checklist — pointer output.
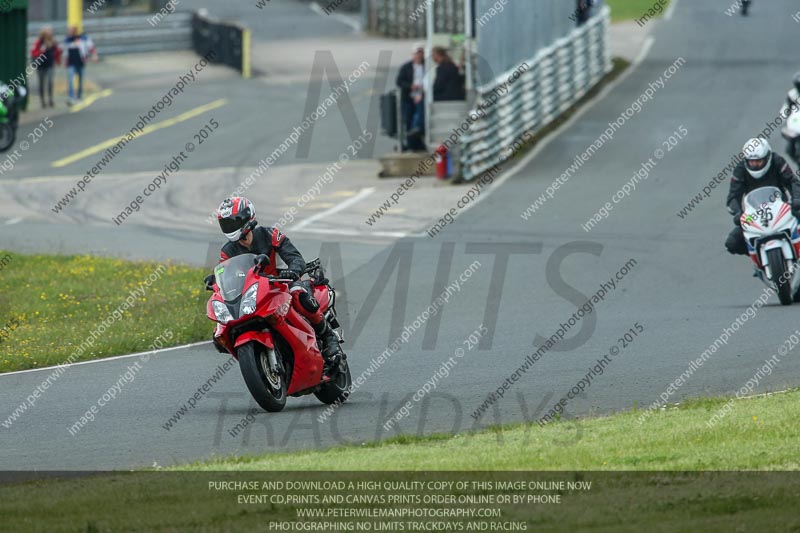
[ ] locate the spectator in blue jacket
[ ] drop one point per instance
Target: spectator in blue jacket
(79, 48)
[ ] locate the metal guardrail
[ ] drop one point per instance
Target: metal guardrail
(128, 35)
(558, 77)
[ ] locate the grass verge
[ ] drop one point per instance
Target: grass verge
(758, 433)
(622, 10)
(51, 304)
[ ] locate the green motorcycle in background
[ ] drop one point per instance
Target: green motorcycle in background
(10, 102)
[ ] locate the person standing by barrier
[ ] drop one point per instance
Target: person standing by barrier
(584, 11)
(46, 54)
(412, 104)
(79, 49)
(449, 83)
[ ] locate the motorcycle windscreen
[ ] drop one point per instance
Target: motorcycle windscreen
(762, 196)
(231, 275)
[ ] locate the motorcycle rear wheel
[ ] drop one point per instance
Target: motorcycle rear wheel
(7, 136)
(267, 388)
(778, 267)
(338, 389)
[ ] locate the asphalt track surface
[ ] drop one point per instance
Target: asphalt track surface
(684, 288)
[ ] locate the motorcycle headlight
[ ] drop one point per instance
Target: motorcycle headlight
(221, 310)
(248, 305)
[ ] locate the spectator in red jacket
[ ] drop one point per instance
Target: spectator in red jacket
(46, 54)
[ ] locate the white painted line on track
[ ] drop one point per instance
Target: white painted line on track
(356, 233)
(106, 359)
(366, 192)
(670, 10)
(363, 193)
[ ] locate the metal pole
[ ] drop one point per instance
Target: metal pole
(430, 70)
(245, 53)
(365, 15)
(75, 14)
(468, 45)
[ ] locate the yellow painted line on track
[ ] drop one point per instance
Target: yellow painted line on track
(90, 100)
(147, 129)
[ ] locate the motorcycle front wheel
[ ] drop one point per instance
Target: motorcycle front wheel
(778, 267)
(7, 136)
(267, 387)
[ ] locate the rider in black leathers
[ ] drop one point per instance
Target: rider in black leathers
(237, 220)
(760, 168)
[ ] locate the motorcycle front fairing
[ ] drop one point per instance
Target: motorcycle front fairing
(791, 130)
(273, 311)
(767, 224)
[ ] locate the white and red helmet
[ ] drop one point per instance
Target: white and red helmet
(237, 217)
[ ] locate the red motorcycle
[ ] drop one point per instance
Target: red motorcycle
(276, 346)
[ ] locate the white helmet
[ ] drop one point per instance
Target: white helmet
(758, 157)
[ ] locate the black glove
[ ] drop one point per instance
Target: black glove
(737, 219)
(261, 261)
(289, 274)
(209, 282)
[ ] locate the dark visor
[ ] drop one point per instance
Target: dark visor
(230, 225)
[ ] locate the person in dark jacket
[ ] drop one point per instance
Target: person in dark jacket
(46, 55)
(79, 49)
(760, 168)
(449, 83)
(237, 220)
(583, 11)
(412, 104)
